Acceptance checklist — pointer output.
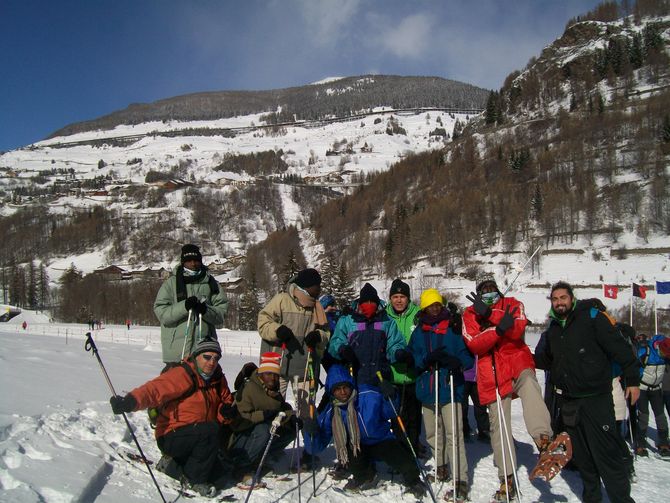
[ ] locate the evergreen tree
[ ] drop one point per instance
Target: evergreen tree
(344, 291)
(43, 287)
(250, 305)
(665, 129)
(31, 287)
(328, 272)
(289, 270)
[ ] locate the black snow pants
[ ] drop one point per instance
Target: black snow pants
(391, 452)
(410, 413)
(599, 451)
(194, 448)
(655, 398)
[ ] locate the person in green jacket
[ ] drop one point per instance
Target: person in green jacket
(403, 311)
(190, 289)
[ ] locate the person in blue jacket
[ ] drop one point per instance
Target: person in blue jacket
(436, 347)
(357, 420)
(368, 341)
(652, 370)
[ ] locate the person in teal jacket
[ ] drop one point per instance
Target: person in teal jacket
(192, 289)
(369, 341)
(403, 311)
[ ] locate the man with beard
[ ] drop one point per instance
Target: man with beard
(189, 305)
(581, 345)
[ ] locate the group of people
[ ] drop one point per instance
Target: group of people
(393, 370)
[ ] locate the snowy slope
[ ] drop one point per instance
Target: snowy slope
(59, 441)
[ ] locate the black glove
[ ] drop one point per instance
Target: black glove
(479, 305)
(347, 354)
(404, 356)
(269, 415)
(310, 426)
(507, 321)
(200, 308)
(190, 303)
(285, 406)
(284, 333)
(244, 374)
(229, 411)
(443, 359)
(387, 389)
(294, 420)
(312, 339)
(121, 404)
(456, 323)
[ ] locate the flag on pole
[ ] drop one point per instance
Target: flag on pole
(639, 291)
(662, 287)
(611, 291)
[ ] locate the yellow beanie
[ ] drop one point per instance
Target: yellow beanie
(430, 297)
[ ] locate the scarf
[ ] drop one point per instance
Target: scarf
(432, 320)
(183, 279)
(306, 301)
(340, 430)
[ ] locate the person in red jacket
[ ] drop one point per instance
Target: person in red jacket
(493, 329)
(194, 401)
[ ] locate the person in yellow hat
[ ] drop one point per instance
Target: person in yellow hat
(439, 351)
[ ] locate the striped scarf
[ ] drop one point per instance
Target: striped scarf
(340, 430)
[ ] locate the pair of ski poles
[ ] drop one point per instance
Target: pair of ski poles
(187, 332)
(453, 425)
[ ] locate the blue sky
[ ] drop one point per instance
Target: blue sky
(65, 61)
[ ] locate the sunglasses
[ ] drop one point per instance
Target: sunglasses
(207, 358)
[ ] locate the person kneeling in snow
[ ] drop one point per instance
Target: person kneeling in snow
(259, 401)
(358, 421)
(194, 401)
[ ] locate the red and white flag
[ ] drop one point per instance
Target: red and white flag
(611, 291)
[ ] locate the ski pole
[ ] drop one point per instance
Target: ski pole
(311, 397)
(276, 423)
(188, 322)
(297, 433)
(455, 464)
(90, 346)
(411, 448)
(523, 268)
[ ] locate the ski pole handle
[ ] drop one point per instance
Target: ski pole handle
(276, 422)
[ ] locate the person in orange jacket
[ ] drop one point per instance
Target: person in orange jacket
(193, 401)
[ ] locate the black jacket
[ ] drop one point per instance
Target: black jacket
(580, 353)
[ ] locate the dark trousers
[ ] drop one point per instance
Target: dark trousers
(248, 446)
(598, 449)
(410, 413)
(481, 413)
(194, 448)
(391, 452)
(655, 398)
(666, 399)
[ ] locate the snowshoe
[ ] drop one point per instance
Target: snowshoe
(553, 458)
(461, 493)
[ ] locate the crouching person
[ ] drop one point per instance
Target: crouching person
(259, 401)
(358, 422)
(190, 399)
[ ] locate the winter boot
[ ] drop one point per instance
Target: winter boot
(461, 493)
(339, 472)
(442, 474)
(641, 451)
(505, 489)
(357, 485)
(664, 450)
(417, 489)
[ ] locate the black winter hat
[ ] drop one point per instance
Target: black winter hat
(190, 252)
(487, 282)
(307, 277)
(368, 294)
(399, 286)
(207, 345)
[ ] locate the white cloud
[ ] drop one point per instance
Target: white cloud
(408, 39)
(328, 22)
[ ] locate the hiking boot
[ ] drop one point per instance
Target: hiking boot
(641, 451)
(204, 489)
(339, 472)
(542, 443)
(664, 450)
(356, 486)
(417, 489)
(505, 490)
(442, 474)
(461, 492)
